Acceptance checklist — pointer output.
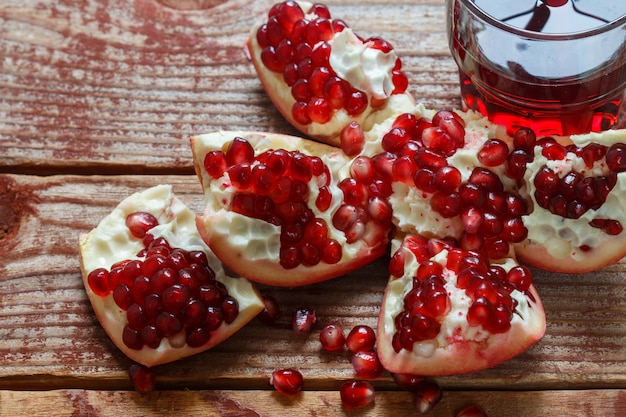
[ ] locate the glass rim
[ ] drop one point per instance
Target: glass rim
(539, 35)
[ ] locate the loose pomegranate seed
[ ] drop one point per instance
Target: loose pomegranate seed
(332, 338)
(356, 394)
(471, 411)
(271, 311)
(407, 382)
(367, 365)
(303, 320)
(143, 378)
(361, 338)
(426, 395)
(287, 381)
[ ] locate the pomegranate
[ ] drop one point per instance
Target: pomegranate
(156, 288)
(285, 211)
(578, 217)
(321, 75)
(447, 310)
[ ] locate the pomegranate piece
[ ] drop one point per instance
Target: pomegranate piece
(287, 381)
(577, 221)
(288, 214)
(356, 394)
(173, 298)
(299, 52)
(332, 338)
(450, 311)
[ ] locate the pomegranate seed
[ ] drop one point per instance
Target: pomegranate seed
(98, 281)
(471, 411)
(271, 311)
(616, 157)
(352, 139)
(426, 395)
(356, 394)
(303, 320)
(142, 378)
(494, 152)
(407, 382)
(287, 381)
(367, 365)
(524, 139)
(332, 338)
(361, 338)
(139, 223)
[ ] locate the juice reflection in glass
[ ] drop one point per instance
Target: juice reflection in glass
(556, 66)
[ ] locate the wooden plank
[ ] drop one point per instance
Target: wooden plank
(590, 403)
(123, 84)
(49, 337)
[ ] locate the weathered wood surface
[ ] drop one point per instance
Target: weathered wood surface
(110, 91)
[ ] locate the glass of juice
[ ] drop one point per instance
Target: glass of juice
(556, 66)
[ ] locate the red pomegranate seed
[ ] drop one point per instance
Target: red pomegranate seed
(332, 338)
(98, 281)
(356, 394)
(356, 103)
(319, 110)
(361, 338)
(302, 321)
(427, 394)
(520, 276)
(352, 139)
(524, 138)
(271, 311)
(139, 223)
(610, 227)
(471, 411)
(494, 152)
(142, 378)
(407, 382)
(616, 157)
(367, 365)
(287, 381)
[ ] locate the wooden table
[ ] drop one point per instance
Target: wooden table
(97, 100)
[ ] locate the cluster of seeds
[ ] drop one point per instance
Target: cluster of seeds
(572, 194)
(488, 286)
(274, 186)
(167, 293)
(296, 45)
(491, 216)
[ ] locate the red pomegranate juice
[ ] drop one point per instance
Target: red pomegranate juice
(548, 76)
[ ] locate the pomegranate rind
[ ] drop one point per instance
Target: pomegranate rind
(280, 94)
(455, 352)
(568, 245)
(111, 241)
(250, 247)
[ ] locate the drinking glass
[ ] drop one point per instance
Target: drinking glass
(556, 66)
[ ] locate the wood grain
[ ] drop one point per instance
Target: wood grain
(97, 101)
(70, 403)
